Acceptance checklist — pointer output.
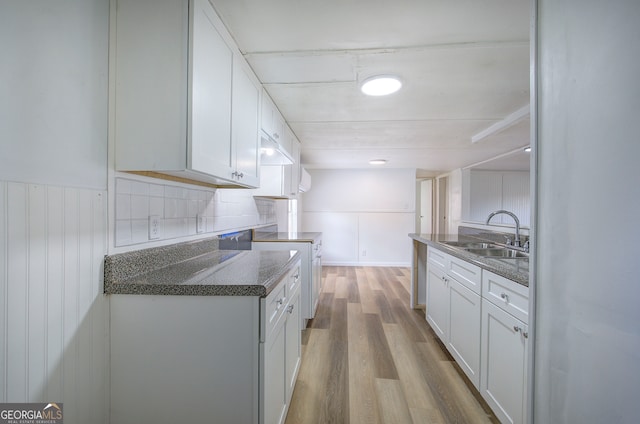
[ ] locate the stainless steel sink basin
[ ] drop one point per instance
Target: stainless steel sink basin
(499, 253)
(470, 244)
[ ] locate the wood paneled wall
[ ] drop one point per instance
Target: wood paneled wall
(53, 315)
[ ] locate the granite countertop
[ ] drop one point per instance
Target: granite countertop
(513, 269)
(309, 237)
(170, 271)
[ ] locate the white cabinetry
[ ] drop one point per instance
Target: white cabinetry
(311, 270)
(504, 347)
(282, 181)
(244, 120)
(453, 308)
(272, 122)
(186, 104)
(228, 359)
(282, 348)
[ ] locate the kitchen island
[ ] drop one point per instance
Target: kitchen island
(203, 335)
(478, 306)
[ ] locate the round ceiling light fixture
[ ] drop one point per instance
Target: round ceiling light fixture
(377, 161)
(381, 85)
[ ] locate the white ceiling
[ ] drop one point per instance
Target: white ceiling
(464, 65)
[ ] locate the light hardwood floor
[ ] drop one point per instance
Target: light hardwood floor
(368, 358)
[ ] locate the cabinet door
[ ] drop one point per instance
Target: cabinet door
(245, 114)
(272, 123)
(438, 302)
(210, 147)
(274, 385)
(316, 279)
(293, 338)
(464, 329)
(292, 172)
(504, 355)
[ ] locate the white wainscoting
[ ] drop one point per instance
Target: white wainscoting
(53, 316)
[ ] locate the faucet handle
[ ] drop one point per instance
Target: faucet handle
(508, 240)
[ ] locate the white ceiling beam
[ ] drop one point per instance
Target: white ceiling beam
(510, 120)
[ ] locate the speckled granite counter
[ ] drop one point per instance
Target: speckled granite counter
(196, 269)
(513, 269)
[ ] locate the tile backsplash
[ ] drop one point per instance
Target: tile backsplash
(177, 208)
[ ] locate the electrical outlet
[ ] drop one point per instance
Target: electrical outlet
(199, 223)
(364, 253)
(154, 227)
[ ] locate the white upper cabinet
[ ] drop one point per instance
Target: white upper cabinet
(245, 118)
(282, 181)
(272, 122)
(211, 60)
(186, 103)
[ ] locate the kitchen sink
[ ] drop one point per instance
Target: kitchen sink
(470, 244)
(498, 253)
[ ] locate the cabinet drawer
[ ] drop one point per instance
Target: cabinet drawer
(507, 295)
(274, 308)
(293, 283)
(437, 257)
(465, 273)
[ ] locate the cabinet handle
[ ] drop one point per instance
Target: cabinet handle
(276, 135)
(505, 297)
(519, 329)
(281, 301)
(237, 174)
(290, 309)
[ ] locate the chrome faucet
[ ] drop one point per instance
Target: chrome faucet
(516, 241)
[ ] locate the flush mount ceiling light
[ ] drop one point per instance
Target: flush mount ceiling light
(380, 85)
(377, 161)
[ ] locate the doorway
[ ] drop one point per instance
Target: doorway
(443, 203)
(424, 214)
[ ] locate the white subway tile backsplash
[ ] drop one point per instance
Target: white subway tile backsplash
(123, 232)
(178, 206)
(156, 190)
(123, 206)
(140, 230)
(123, 186)
(156, 206)
(139, 207)
(140, 188)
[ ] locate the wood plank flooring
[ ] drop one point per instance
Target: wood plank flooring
(368, 358)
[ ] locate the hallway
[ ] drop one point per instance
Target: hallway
(369, 358)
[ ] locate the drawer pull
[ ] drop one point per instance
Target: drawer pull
(505, 297)
(290, 309)
(519, 329)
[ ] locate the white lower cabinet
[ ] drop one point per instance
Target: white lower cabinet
(281, 349)
(482, 319)
(437, 301)
(453, 309)
(505, 340)
(226, 359)
(311, 274)
(464, 330)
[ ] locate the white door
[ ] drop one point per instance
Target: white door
(426, 207)
(443, 200)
